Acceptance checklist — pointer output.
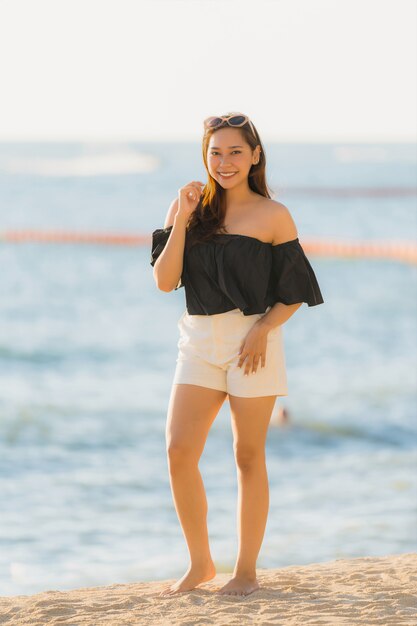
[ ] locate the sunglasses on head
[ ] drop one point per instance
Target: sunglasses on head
(236, 120)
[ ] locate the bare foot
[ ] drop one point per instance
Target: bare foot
(193, 576)
(239, 586)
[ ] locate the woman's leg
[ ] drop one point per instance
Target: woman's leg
(250, 421)
(192, 410)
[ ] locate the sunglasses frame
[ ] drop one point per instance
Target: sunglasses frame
(226, 119)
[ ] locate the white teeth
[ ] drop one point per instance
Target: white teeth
(229, 174)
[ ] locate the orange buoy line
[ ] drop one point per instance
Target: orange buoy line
(405, 251)
(353, 192)
(56, 236)
(396, 250)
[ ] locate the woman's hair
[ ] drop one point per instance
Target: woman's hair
(208, 217)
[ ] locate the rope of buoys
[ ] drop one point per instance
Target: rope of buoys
(353, 192)
(396, 250)
(56, 236)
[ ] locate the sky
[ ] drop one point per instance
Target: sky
(153, 70)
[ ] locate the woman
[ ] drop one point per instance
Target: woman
(241, 286)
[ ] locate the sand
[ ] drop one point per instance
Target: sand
(366, 591)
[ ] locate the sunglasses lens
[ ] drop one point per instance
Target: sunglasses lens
(213, 121)
(237, 120)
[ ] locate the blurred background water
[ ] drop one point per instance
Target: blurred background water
(87, 356)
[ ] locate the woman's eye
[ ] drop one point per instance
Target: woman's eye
(238, 151)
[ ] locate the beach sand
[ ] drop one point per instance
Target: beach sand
(366, 591)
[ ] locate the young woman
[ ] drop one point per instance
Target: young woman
(237, 254)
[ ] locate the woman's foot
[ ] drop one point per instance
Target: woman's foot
(195, 575)
(239, 586)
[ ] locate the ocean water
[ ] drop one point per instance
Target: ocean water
(87, 356)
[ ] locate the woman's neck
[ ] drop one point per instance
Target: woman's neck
(239, 196)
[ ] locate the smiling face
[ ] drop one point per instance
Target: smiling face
(229, 153)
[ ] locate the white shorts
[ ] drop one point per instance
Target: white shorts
(208, 355)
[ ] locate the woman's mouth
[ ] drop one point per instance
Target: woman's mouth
(227, 174)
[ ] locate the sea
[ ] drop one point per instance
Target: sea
(88, 347)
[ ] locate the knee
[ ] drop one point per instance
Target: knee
(179, 455)
(247, 457)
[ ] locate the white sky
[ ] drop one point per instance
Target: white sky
(303, 70)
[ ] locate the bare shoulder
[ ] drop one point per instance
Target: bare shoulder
(173, 208)
(281, 224)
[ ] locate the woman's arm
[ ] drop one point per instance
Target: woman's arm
(283, 229)
(168, 267)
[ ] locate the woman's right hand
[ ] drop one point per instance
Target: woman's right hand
(189, 197)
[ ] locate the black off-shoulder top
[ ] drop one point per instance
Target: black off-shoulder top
(238, 271)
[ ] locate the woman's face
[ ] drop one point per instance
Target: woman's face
(229, 152)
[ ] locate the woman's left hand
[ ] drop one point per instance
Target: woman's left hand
(253, 349)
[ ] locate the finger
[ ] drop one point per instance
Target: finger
(198, 185)
(256, 360)
(194, 190)
(242, 357)
(255, 365)
(193, 193)
(248, 367)
(241, 360)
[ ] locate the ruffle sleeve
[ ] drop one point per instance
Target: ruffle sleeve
(293, 278)
(160, 237)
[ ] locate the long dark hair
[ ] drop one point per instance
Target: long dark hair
(208, 217)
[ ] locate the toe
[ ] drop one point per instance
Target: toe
(166, 592)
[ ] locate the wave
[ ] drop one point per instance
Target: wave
(111, 162)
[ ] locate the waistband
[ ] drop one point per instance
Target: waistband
(232, 312)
